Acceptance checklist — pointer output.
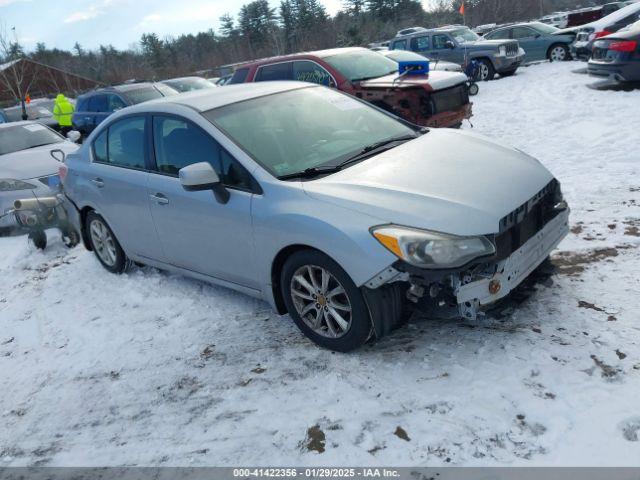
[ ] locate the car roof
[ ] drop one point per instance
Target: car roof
(315, 53)
(180, 79)
(208, 99)
(17, 124)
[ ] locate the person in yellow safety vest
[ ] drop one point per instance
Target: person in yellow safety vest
(63, 112)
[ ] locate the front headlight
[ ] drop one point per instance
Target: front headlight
(9, 184)
(426, 249)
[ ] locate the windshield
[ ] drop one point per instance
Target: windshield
(543, 28)
(300, 129)
(14, 138)
(463, 35)
(362, 64)
(189, 84)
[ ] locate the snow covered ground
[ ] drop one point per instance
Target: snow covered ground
(154, 369)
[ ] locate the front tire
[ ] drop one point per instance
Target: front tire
(324, 302)
(558, 53)
(487, 72)
(105, 245)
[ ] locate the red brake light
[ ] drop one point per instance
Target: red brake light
(624, 46)
(602, 34)
(62, 171)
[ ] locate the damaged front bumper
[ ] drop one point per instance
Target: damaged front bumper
(472, 294)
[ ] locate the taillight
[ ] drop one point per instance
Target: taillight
(624, 46)
(62, 171)
(601, 34)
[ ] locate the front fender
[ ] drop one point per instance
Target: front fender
(340, 233)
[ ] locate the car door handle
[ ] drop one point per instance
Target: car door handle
(98, 182)
(159, 198)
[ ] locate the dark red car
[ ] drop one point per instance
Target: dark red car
(439, 99)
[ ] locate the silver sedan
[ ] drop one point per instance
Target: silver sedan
(27, 169)
(331, 210)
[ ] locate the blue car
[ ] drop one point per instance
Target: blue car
(539, 41)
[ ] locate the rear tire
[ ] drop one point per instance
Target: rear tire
(324, 302)
(105, 245)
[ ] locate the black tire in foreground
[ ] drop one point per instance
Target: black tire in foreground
(324, 302)
(105, 245)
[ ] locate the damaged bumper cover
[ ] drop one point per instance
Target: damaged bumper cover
(473, 295)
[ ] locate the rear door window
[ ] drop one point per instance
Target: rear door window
(239, 76)
(98, 103)
(523, 32)
(503, 34)
(122, 144)
(277, 71)
(420, 44)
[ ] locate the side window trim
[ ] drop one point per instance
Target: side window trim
(153, 167)
(106, 130)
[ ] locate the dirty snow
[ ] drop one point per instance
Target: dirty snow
(154, 369)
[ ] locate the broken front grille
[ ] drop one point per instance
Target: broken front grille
(528, 219)
(450, 99)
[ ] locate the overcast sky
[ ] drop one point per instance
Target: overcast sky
(60, 23)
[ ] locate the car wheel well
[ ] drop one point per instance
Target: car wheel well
(276, 270)
(83, 232)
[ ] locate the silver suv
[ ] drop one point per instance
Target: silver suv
(329, 209)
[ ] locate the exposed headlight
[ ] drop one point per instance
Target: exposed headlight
(502, 51)
(8, 185)
(426, 249)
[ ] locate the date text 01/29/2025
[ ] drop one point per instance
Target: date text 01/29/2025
(317, 472)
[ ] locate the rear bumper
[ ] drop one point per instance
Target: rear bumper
(514, 269)
(451, 118)
(622, 72)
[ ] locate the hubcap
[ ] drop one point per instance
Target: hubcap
(558, 54)
(484, 72)
(103, 242)
(321, 301)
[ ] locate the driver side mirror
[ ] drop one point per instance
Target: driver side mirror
(202, 176)
(449, 44)
(74, 136)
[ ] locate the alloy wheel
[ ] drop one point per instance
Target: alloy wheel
(484, 71)
(558, 54)
(321, 301)
(103, 242)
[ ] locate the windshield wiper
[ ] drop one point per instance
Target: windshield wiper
(364, 79)
(361, 155)
(369, 149)
(311, 172)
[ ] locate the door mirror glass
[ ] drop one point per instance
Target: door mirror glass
(449, 44)
(202, 176)
(74, 136)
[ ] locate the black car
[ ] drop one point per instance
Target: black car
(617, 55)
(93, 107)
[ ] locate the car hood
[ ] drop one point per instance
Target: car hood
(34, 162)
(436, 80)
(484, 43)
(447, 181)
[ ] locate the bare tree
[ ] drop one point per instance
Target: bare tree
(16, 75)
